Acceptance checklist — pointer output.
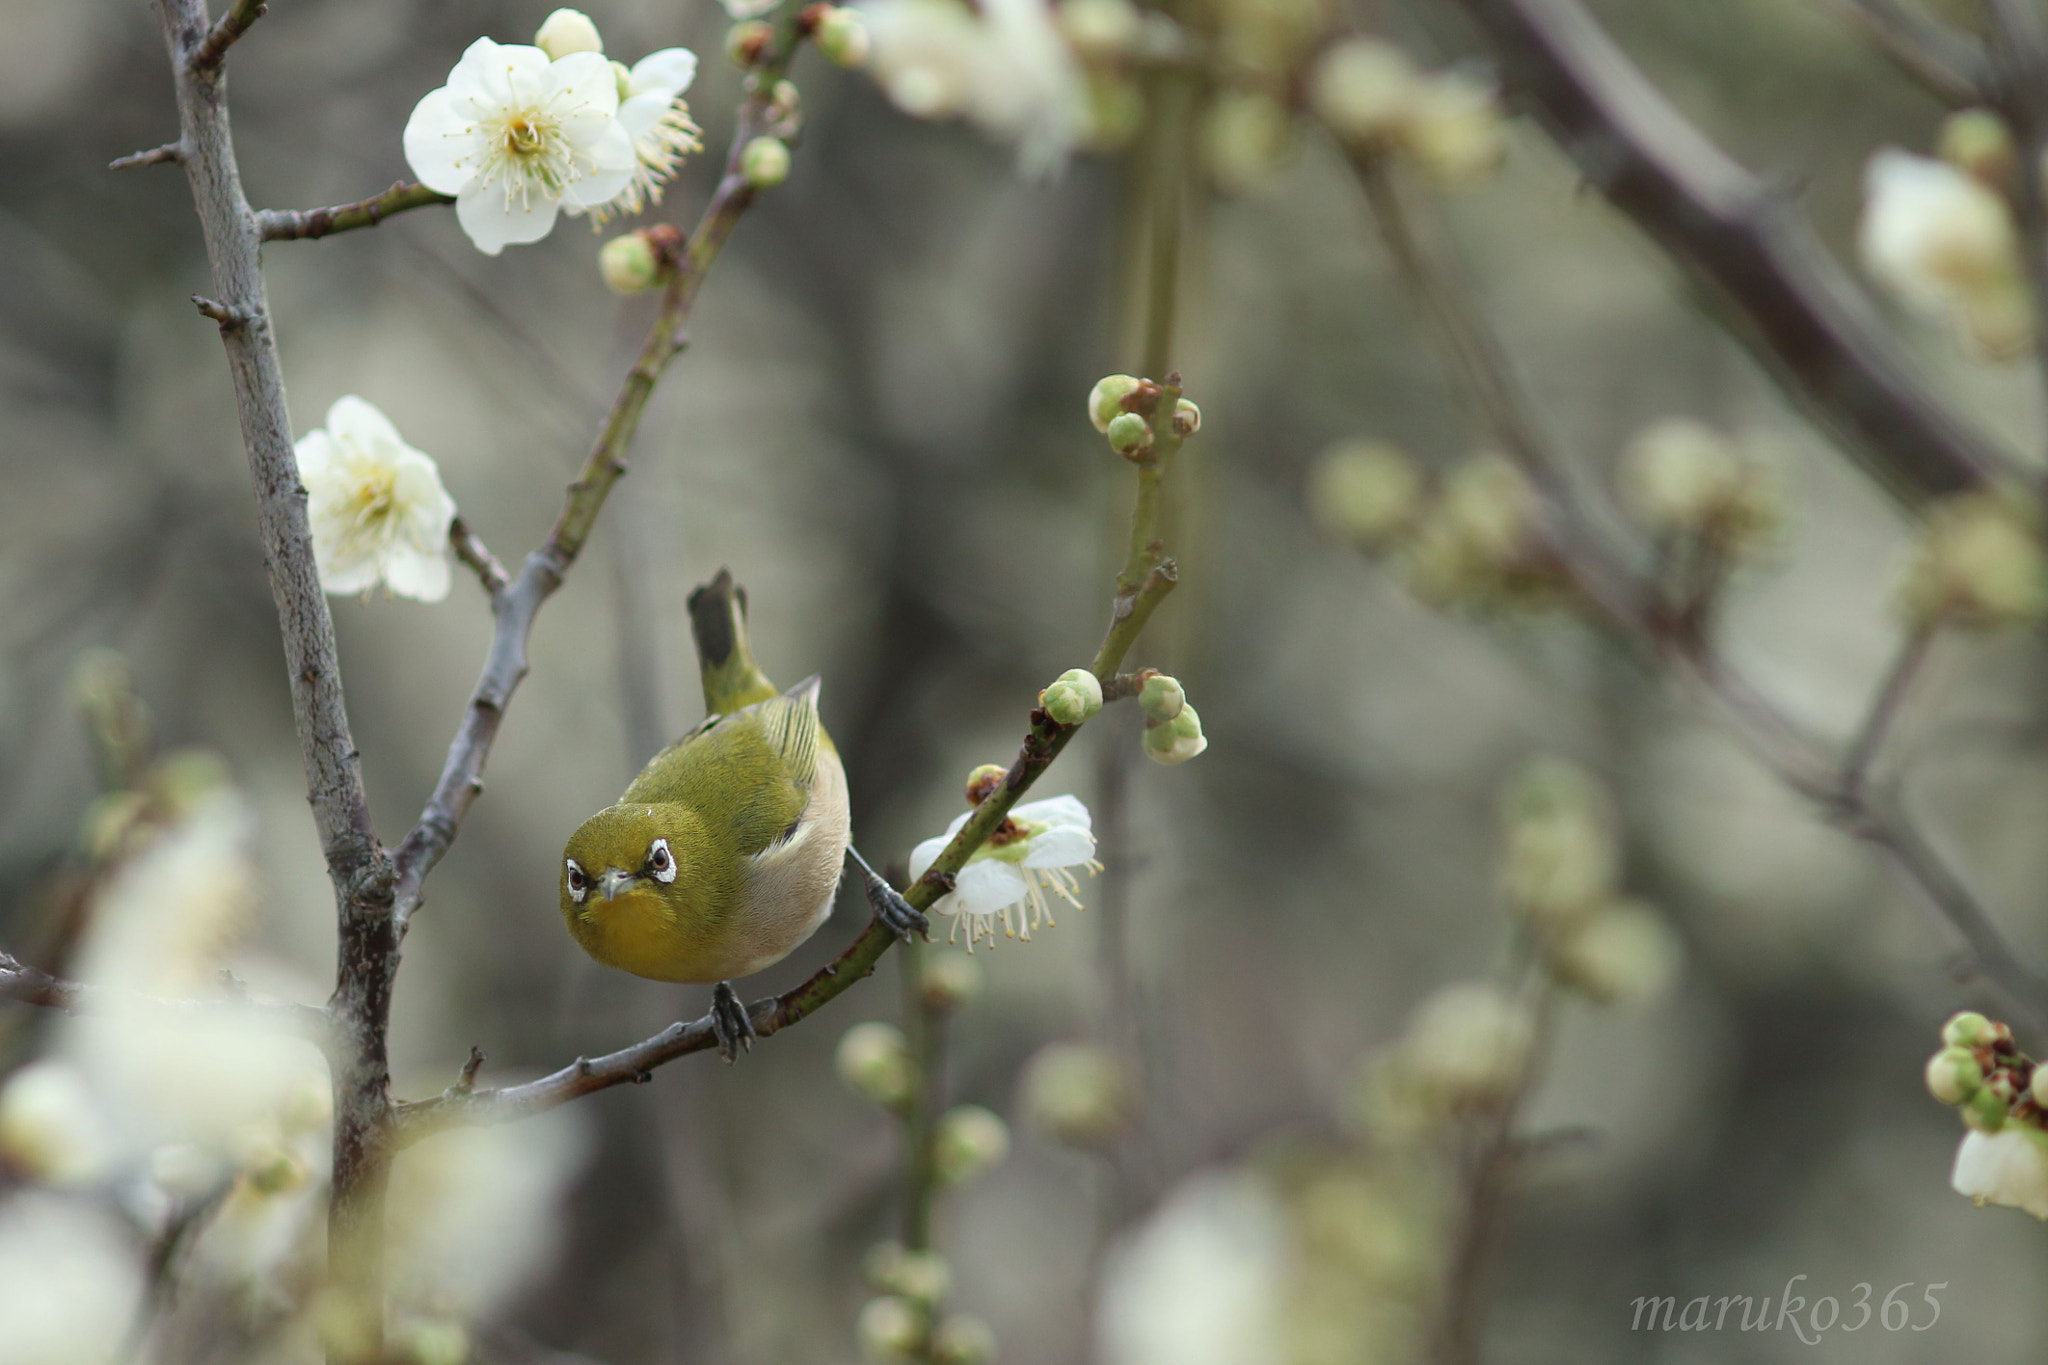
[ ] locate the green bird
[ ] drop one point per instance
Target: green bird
(725, 852)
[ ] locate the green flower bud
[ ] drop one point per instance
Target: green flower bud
(1175, 741)
(1978, 564)
(1967, 1029)
(1246, 140)
(1985, 1111)
(1363, 88)
(1129, 434)
(1953, 1075)
(1470, 1044)
(1161, 697)
(1453, 129)
(984, 781)
(842, 35)
(1078, 1094)
(1562, 858)
(1682, 477)
(890, 1330)
(874, 1059)
(764, 162)
(785, 110)
(1105, 400)
(950, 981)
(2037, 1085)
(1624, 954)
(1977, 141)
(963, 1340)
(566, 31)
(745, 43)
(1187, 418)
(1482, 543)
(1100, 30)
(623, 76)
(1075, 696)
(1365, 491)
(630, 264)
(431, 1341)
(969, 1141)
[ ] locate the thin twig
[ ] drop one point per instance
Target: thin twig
(1784, 296)
(155, 156)
(286, 225)
(1884, 710)
(241, 14)
(2019, 56)
(33, 986)
(470, 549)
(1949, 62)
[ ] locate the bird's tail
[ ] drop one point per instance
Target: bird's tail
(718, 621)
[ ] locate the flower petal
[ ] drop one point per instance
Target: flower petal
(1062, 846)
(583, 81)
(316, 456)
(986, 886)
(495, 221)
(413, 574)
(667, 73)
(356, 422)
(440, 143)
(1056, 811)
(926, 853)
(639, 114)
(482, 73)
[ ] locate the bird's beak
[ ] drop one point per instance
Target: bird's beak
(613, 881)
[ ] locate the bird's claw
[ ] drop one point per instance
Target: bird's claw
(730, 1023)
(897, 915)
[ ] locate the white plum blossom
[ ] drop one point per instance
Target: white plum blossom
(1947, 248)
(2008, 1168)
(1202, 1281)
(1009, 881)
(516, 138)
(378, 510)
(1004, 66)
(657, 121)
(70, 1281)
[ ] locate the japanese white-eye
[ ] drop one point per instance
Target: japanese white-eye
(724, 853)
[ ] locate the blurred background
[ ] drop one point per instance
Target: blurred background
(879, 427)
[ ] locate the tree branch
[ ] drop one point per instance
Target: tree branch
(241, 14)
(284, 225)
(33, 986)
(470, 549)
(155, 156)
(1780, 292)
(1950, 63)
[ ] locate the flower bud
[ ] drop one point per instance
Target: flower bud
(919, 1276)
(842, 35)
(266, 1163)
(1682, 477)
(785, 112)
(1562, 859)
(431, 1341)
(50, 1129)
(1365, 491)
(984, 781)
(1978, 142)
(1175, 741)
(1625, 954)
(1985, 1111)
(963, 1340)
(1482, 544)
(1187, 418)
(1453, 129)
(746, 42)
(874, 1059)
(1116, 110)
(2037, 1085)
(1363, 88)
(1129, 434)
(1246, 139)
(1075, 696)
(890, 1330)
(1078, 1094)
(969, 1141)
(950, 981)
(1100, 30)
(1161, 697)
(1953, 1075)
(1105, 400)
(622, 75)
(1470, 1044)
(764, 163)
(1978, 565)
(566, 31)
(630, 264)
(1967, 1029)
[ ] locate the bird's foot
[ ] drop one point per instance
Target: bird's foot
(897, 915)
(730, 1022)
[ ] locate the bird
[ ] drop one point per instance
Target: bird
(725, 853)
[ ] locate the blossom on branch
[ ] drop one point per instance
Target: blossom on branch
(516, 138)
(379, 512)
(657, 120)
(1947, 247)
(1010, 880)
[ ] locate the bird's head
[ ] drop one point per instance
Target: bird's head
(626, 857)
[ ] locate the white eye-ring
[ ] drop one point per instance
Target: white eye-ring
(660, 861)
(579, 885)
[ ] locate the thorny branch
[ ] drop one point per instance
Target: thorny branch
(1781, 293)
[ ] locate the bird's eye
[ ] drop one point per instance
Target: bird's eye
(578, 883)
(661, 862)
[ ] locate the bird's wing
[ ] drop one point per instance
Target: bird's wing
(749, 773)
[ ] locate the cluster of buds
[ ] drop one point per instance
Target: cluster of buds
(2002, 1096)
(1079, 1095)
(1978, 564)
(1685, 481)
(1112, 41)
(1173, 731)
(635, 262)
(1123, 408)
(1561, 876)
(1374, 98)
(903, 1322)
(1467, 1050)
(1482, 542)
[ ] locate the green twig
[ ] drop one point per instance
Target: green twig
(289, 225)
